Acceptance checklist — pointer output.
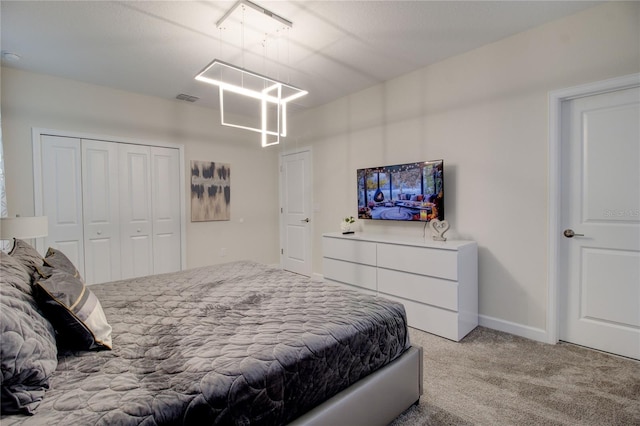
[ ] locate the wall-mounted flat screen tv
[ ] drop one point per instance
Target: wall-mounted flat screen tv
(406, 192)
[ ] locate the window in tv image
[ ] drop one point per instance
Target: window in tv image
(409, 192)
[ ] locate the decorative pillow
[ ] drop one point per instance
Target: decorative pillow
(57, 259)
(73, 309)
(28, 352)
(26, 255)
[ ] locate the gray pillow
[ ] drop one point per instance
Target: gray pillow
(29, 353)
(26, 255)
(73, 309)
(57, 259)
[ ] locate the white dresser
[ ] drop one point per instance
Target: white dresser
(436, 281)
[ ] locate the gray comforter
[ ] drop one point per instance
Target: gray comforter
(239, 343)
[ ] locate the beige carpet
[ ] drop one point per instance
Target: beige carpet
(495, 378)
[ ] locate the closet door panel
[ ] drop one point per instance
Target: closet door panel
(165, 178)
(99, 260)
(62, 196)
(101, 211)
(135, 211)
(139, 251)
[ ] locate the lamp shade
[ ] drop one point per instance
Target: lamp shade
(23, 227)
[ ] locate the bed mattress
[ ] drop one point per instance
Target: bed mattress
(238, 343)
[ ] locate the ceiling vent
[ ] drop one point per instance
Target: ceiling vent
(188, 98)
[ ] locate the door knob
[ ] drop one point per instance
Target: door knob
(305, 220)
(99, 232)
(570, 234)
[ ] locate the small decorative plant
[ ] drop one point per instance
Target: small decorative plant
(346, 223)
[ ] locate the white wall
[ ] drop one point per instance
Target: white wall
(35, 100)
(485, 113)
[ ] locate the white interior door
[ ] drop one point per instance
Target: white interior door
(165, 201)
(136, 236)
(61, 183)
(600, 216)
(295, 231)
(100, 211)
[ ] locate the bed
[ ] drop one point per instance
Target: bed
(238, 343)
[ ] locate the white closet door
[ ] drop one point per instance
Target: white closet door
(165, 202)
(101, 211)
(62, 196)
(115, 209)
(136, 238)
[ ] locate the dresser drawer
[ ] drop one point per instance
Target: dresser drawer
(350, 250)
(421, 288)
(430, 319)
(419, 260)
(350, 273)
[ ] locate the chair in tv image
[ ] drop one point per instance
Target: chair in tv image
(405, 192)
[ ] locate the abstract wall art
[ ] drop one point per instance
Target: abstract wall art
(210, 191)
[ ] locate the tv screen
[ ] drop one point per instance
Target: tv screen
(409, 192)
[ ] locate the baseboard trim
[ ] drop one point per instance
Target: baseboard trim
(521, 330)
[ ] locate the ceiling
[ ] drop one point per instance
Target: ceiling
(333, 48)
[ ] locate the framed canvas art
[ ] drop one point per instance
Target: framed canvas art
(210, 191)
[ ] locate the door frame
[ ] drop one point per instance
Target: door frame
(292, 151)
(37, 133)
(556, 99)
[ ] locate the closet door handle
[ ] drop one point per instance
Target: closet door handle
(570, 234)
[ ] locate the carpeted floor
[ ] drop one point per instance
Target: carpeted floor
(495, 378)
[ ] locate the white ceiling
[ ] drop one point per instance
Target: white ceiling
(334, 47)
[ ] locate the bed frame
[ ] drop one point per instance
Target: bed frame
(375, 400)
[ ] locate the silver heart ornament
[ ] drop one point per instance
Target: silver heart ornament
(438, 228)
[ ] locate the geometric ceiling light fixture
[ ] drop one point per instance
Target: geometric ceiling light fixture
(270, 96)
